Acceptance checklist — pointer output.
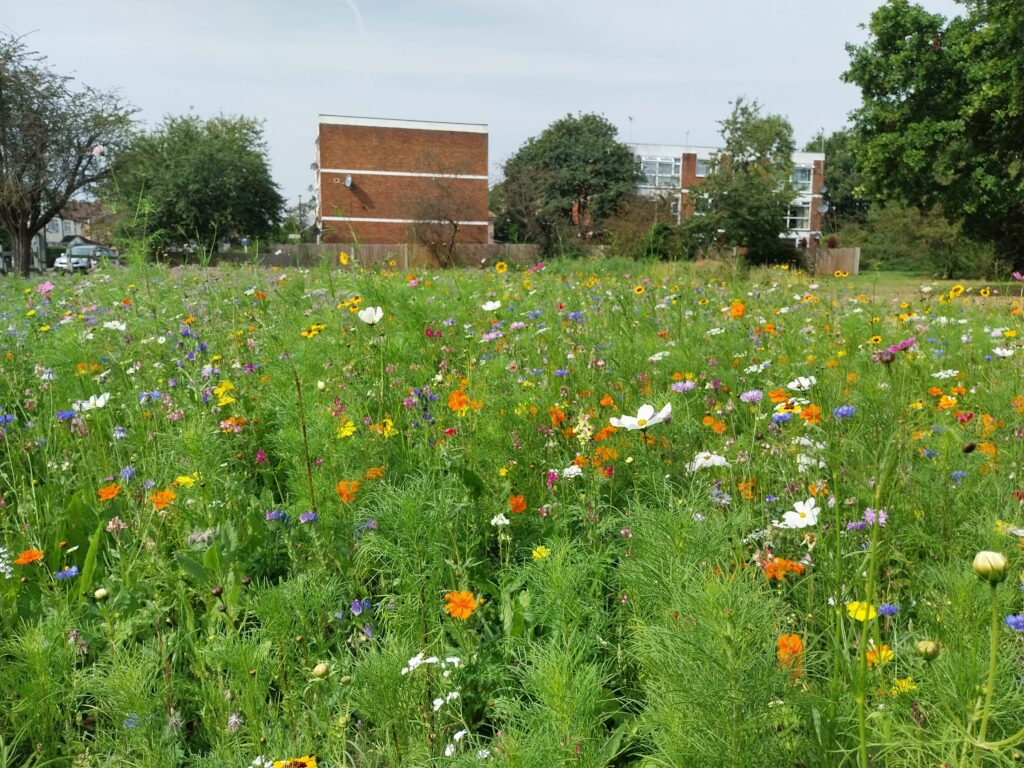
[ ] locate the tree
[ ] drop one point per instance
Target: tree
(745, 197)
(193, 182)
(54, 142)
(567, 181)
(942, 116)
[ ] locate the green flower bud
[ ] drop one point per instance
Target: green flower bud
(321, 670)
(100, 595)
(990, 566)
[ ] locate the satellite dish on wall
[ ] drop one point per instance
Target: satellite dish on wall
(824, 208)
(348, 180)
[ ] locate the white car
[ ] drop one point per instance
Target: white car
(82, 258)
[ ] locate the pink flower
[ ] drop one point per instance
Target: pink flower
(44, 288)
(261, 456)
(1018, 276)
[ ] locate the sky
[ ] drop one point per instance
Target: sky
(662, 71)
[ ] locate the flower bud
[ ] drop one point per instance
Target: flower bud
(321, 670)
(927, 649)
(217, 591)
(990, 566)
(100, 595)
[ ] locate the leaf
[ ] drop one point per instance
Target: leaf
(192, 567)
(473, 482)
(89, 567)
(212, 562)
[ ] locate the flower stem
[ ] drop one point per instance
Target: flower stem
(991, 682)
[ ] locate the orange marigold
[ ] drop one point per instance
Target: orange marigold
(347, 489)
(460, 604)
(108, 492)
(164, 498)
(29, 556)
(517, 504)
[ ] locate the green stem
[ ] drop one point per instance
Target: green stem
(991, 682)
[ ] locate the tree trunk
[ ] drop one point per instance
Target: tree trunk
(21, 247)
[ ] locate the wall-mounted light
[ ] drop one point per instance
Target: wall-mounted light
(314, 166)
(348, 180)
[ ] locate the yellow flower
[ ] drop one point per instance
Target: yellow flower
(540, 552)
(346, 429)
(902, 685)
(860, 611)
(638, 290)
(985, 293)
(955, 291)
(343, 259)
(501, 267)
(879, 655)
(306, 761)
(185, 481)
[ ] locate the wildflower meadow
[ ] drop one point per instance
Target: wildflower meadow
(585, 513)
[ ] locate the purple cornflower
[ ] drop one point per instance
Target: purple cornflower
(1015, 621)
(958, 476)
(127, 473)
(875, 517)
(844, 411)
(781, 418)
(120, 433)
(308, 517)
(67, 573)
(752, 396)
(65, 415)
(274, 514)
(358, 606)
(888, 609)
(683, 386)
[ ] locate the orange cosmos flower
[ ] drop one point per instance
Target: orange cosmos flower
(737, 310)
(790, 653)
(607, 401)
(460, 604)
(164, 498)
(746, 488)
(29, 556)
(811, 414)
(879, 655)
(108, 492)
(946, 403)
(778, 396)
(347, 490)
(557, 415)
(517, 504)
(458, 401)
(375, 473)
(777, 568)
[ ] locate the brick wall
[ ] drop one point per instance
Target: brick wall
(406, 181)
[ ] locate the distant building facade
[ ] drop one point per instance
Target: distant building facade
(395, 181)
(75, 220)
(671, 171)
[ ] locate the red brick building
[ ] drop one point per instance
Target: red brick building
(399, 181)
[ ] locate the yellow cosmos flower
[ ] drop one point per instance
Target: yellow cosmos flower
(540, 552)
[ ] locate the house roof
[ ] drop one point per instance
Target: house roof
(81, 210)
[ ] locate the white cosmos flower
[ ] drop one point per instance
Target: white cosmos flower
(371, 315)
(115, 325)
(802, 383)
(1002, 352)
(803, 515)
(645, 417)
(706, 459)
(490, 306)
(949, 373)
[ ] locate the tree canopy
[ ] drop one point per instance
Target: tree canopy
(745, 197)
(54, 142)
(566, 181)
(844, 183)
(194, 182)
(942, 116)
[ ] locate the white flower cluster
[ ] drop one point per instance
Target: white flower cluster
(949, 373)
(92, 403)
(420, 659)
(706, 459)
(5, 563)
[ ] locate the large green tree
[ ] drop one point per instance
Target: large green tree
(942, 116)
(55, 141)
(745, 197)
(560, 186)
(197, 182)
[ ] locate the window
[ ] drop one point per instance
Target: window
(69, 227)
(53, 226)
(660, 172)
(799, 217)
(703, 166)
(801, 179)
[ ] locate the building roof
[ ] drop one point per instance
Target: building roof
(81, 210)
(383, 122)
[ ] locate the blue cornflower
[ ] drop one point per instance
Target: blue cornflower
(6, 418)
(132, 721)
(308, 517)
(65, 415)
(781, 418)
(562, 372)
(888, 609)
(274, 514)
(844, 411)
(127, 473)
(66, 573)
(1015, 621)
(958, 476)
(358, 606)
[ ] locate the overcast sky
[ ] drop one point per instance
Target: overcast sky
(672, 66)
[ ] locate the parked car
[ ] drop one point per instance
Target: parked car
(82, 258)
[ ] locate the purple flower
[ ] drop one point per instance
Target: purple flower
(65, 415)
(902, 346)
(1015, 621)
(127, 473)
(683, 386)
(875, 517)
(844, 411)
(888, 609)
(958, 476)
(781, 418)
(308, 517)
(358, 606)
(274, 514)
(67, 573)
(752, 396)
